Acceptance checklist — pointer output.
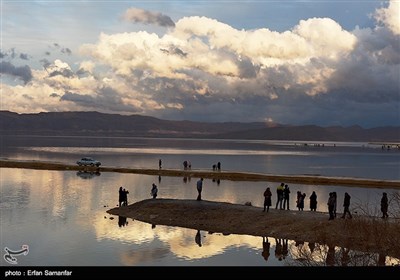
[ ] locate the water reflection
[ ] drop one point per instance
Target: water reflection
(40, 208)
(85, 174)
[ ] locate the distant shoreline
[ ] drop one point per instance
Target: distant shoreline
(221, 175)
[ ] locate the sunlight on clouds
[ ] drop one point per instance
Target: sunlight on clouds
(390, 16)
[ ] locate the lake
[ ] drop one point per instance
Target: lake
(61, 215)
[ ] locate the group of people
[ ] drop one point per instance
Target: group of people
(123, 197)
(217, 167)
(283, 195)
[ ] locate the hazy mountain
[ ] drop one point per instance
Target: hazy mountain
(94, 123)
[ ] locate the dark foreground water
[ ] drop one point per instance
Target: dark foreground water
(61, 215)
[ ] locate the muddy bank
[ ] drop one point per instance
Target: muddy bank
(221, 175)
(360, 233)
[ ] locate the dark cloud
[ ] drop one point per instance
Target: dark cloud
(142, 16)
(23, 56)
(54, 95)
(22, 72)
(106, 99)
(66, 51)
(47, 53)
(174, 51)
(67, 73)
(45, 63)
(2, 55)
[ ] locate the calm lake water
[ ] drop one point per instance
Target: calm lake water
(61, 215)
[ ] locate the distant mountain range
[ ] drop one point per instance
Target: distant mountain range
(97, 124)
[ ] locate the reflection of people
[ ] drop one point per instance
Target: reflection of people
(159, 178)
(384, 206)
(122, 221)
(154, 191)
(345, 256)
(381, 260)
(197, 239)
(153, 226)
(285, 249)
(199, 188)
(330, 256)
(346, 205)
(311, 245)
(267, 199)
(266, 245)
(278, 249)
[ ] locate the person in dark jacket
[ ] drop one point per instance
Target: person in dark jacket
(331, 206)
(267, 199)
(346, 205)
(286, 195)
(313, 201)
(384, 206)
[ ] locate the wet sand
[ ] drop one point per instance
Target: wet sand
(221, 175)
(359, 233)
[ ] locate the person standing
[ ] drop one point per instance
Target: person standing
(384, 206)
(313, 201)
(331, 205)
(159, 164)
(346, 205)
(199, 188)
(121, 196)
(267, 199)
(219, 166)
(279, 195)
(154, 191)
(286, 192)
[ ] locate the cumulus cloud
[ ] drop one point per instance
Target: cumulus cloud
(203, 69)
(147, 17)
(390, 16)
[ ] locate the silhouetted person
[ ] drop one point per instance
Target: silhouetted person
(335, 206)
(346, 205)
(331, 206)
(154, 191)
(384, 206)
(286, 195)
(185, 164)
(214, 167)
(197, 239)
(313, 201)
(153, 226)
(266, 246)
(159, 163)
(279, 195)
(301, 202)
(199, 188)
(267, 199)
(125, 197)
(122, 221)
(219, 166)
(120, 196)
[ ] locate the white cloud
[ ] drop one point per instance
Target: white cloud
(390, 16)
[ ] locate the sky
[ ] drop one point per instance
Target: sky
(328, 63)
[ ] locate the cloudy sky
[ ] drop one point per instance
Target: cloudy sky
(291, 62)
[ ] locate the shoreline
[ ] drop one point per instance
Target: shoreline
(209, 174)
(359, 233)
